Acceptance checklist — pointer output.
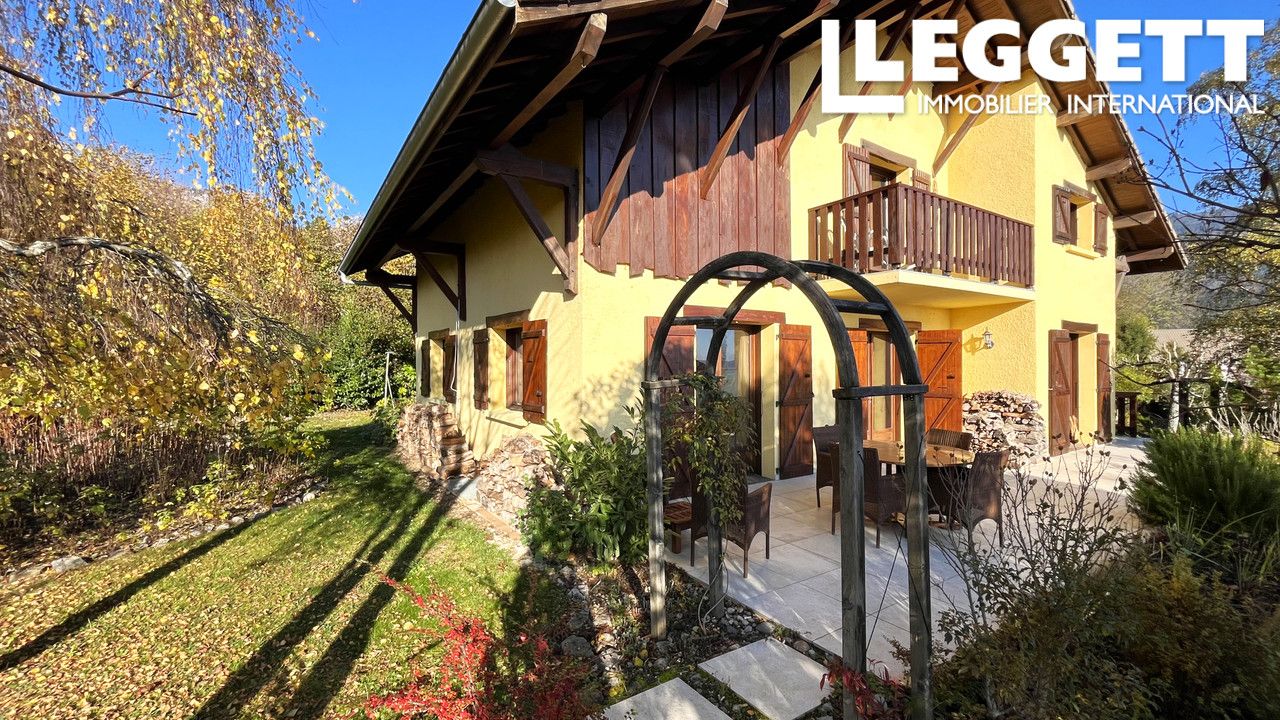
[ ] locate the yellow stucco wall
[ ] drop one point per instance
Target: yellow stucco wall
(1007, 164)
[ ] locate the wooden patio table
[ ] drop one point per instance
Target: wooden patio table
(936, 456)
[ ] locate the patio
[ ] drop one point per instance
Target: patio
(799, 585)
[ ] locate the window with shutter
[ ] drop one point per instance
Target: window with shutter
(424, 368)
(1100, 217)
(480, 355)
(534, 349)
(857, 170)
(515, 366)
(1064, 217)
(449, 378)
(922, 180)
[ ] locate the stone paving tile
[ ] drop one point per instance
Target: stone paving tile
(672, 700)
(775, 679)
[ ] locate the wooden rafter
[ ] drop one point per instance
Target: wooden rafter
(705, 27)
(388, 283)
(1122, 222)
(457, 298)
(954, 141)
(1069, 119)
(707, 24)
(588, 47)
(899, 34)
(708, 174)
(561, 256)
(509, 161)
(1108, 168)
(757, 45)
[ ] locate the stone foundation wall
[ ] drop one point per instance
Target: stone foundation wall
(507, 473)
(429, 442)
(1000, 419)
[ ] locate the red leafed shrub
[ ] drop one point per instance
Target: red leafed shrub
(875, 698)
(481, 677)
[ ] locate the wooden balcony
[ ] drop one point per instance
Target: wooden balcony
(898, 227)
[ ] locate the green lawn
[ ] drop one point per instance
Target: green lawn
(282, 617)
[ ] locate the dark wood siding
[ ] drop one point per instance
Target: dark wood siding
(661, 223)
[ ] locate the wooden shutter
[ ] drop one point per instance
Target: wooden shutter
(449, 379)
(1062, 382)
(861, 342)
(939, 353)
(1105, 412)
(534, 349)
(480, 358)
(1063, 217)
(921, 180)
(857, 170)
(424, 368)
(1100, 217)
(795, 401)
(678, 358)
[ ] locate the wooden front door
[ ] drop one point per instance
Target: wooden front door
(1063, 390)
(795, 401)
(739, 367)
(877, 365)
(1105, 412)
(939, 353)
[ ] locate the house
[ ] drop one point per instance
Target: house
(577, 160)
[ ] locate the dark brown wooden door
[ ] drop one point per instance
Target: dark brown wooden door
(861, 342)
(1105, 412)
(1063, 382)
(795, 401)
(534, 351)
(677, 359)
(939, 353)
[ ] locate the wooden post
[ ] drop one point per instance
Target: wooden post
(853, 549)
(918, 557)
(653, 494)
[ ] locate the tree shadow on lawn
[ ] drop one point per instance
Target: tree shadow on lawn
(78, 620)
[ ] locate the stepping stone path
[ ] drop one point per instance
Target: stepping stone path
(672, 700)
(779, 682)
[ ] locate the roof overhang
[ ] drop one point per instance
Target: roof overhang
(514, 49)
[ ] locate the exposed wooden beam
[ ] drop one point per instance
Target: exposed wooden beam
(1148, 255)
(542, 231)
(552, 12)
(456, 300)
(811, 95)
(1069, 119)
(432, 247)
(707, 24)
(1108, 169)
(900, 33)
(745, 99)
(1134, 220)
(961, 131)
(378, 276)
(509, 161)
(626, 152)
(447, 194)
(410, 316)
(588, 46)
(757, 45)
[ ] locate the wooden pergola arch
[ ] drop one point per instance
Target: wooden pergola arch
(758, 270)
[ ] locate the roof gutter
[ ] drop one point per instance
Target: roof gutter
(490, 18)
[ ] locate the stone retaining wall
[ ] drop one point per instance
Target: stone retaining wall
(507, 473)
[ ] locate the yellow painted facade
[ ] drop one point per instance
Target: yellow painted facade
(1006, 164)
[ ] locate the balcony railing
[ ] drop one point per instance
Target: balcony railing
(903, 227)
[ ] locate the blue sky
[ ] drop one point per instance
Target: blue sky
(377, 60)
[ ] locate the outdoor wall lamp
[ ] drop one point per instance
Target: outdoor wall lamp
(988, 340)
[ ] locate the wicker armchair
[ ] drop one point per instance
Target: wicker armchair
(884, 495)
(683, 505)
(754, 520)
(950, 438)
(977, 496)
(822, 437)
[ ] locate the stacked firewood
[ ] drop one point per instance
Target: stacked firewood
(430, 442)
(1002, 420)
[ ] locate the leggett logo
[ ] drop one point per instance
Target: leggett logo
(1067, 37)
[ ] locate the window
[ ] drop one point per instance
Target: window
(515, 367)
(1066, 224)
(480, 360)
(448, 349)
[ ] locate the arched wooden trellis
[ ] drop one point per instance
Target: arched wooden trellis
(758, 270)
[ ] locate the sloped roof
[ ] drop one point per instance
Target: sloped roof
(512, 50)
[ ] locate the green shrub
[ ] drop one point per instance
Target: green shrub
(598, 507)
(1218, 496)
(1135, 640)
(1226, 482)
(358, 344)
